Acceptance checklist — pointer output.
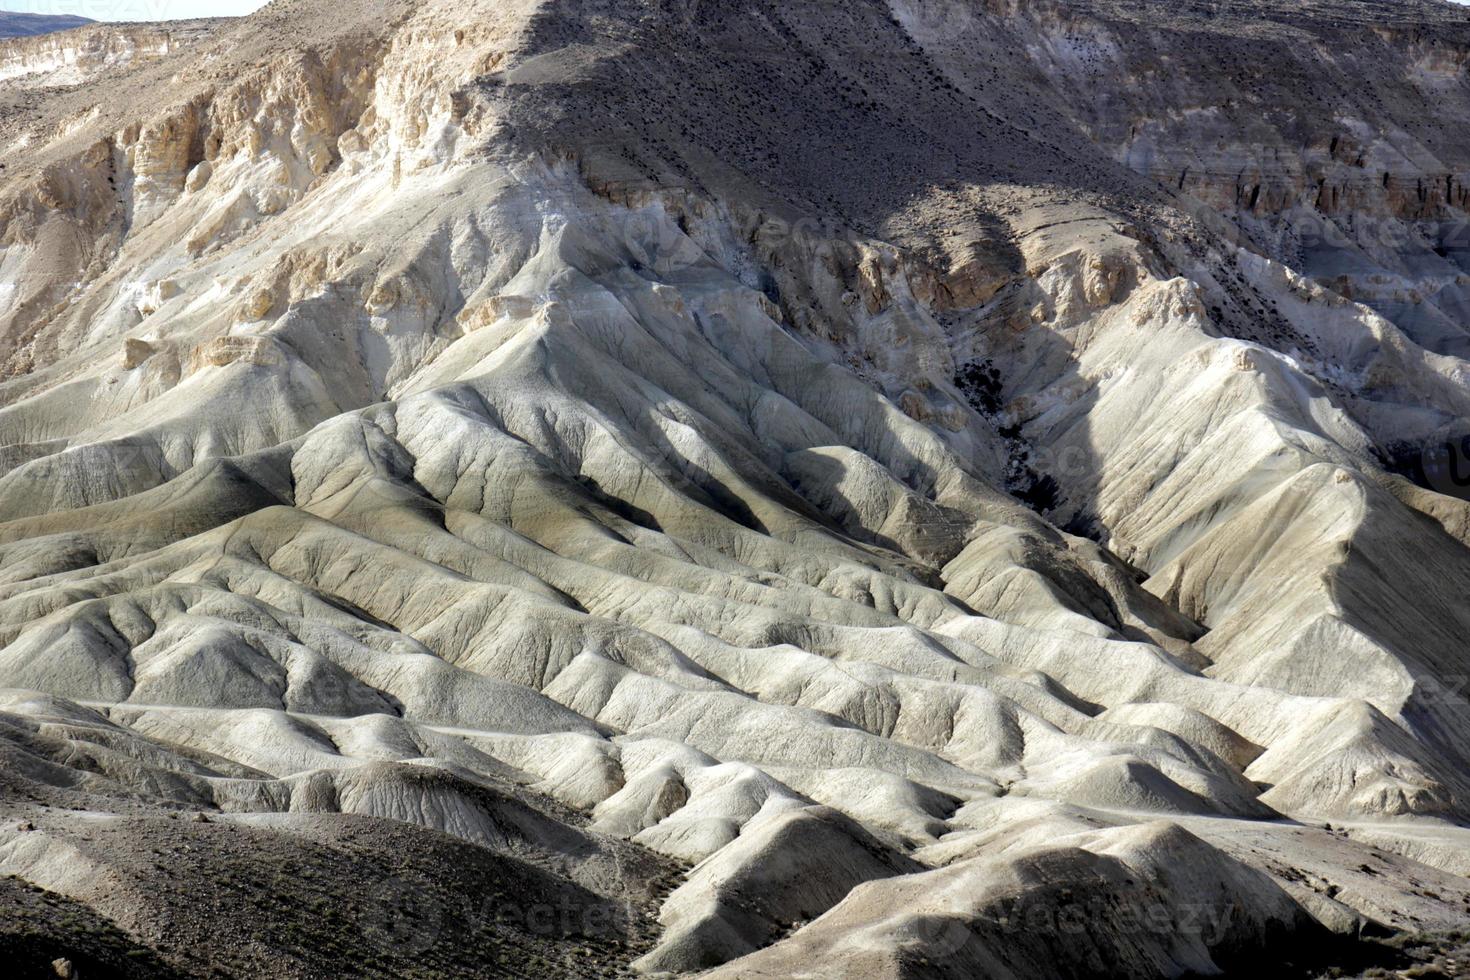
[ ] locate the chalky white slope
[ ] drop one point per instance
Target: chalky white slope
(673, 413)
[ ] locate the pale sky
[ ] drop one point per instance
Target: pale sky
(134, 9)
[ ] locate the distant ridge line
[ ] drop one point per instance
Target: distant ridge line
(14, 24)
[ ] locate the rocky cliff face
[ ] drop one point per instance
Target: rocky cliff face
(1353, 184)
(74, 54)
(904, 464)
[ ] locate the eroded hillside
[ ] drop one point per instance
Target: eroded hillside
(883, 471)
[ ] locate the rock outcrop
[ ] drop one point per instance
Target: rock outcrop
(67, 51)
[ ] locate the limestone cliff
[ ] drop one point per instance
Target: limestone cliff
(77, 52)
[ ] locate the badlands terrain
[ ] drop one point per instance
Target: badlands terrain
(891, 488)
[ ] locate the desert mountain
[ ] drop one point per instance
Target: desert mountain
(13, 24)
(880, 489)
